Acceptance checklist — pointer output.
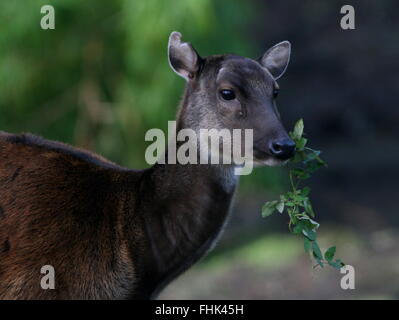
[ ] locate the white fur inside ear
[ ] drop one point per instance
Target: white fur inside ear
(276, 59)
(181, 56)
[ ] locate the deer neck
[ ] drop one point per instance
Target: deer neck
(188, 209)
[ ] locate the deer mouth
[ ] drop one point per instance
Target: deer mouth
(262, 158)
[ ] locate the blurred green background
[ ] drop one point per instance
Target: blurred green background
(101, 79)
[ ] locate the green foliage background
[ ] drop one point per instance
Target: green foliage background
(101, 79)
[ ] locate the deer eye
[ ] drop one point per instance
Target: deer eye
(275, 93)
(227, 94)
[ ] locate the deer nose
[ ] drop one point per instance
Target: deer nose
(283, 148)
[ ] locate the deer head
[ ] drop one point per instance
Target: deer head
(234, 92)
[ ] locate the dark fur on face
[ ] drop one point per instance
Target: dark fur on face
(253, 108)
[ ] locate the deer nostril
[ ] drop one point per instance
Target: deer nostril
(277, 147)
(282, 149)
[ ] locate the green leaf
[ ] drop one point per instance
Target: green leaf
(297, 229)
(301, 143)
(280, 207)
(308, 208)
(337, 264)
(298, 198)
(298, 172)
(307, 244)
(299, 156)
(268, 208)
(340, 262)
(315, 225)
(267, 211)
(309, 223)
(329, 255)
(305, 191)
(310, 234)
(298, 129)
(316, 251)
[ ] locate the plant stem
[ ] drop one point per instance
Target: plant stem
(292, 182)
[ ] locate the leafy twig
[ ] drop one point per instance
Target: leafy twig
(297, 203)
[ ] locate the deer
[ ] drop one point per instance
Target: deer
(112, 232)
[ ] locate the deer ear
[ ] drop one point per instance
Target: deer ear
(183, 58)
(276, 59)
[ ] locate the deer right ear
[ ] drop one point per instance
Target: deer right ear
(276, 59)
(183, 58)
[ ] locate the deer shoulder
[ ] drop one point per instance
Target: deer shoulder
(64, 207)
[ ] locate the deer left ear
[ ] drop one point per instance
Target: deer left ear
(276, 59)
(183, 58)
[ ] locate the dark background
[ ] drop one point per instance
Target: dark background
(101, 79)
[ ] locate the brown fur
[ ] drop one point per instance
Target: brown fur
(79, 213)
(60, 204)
